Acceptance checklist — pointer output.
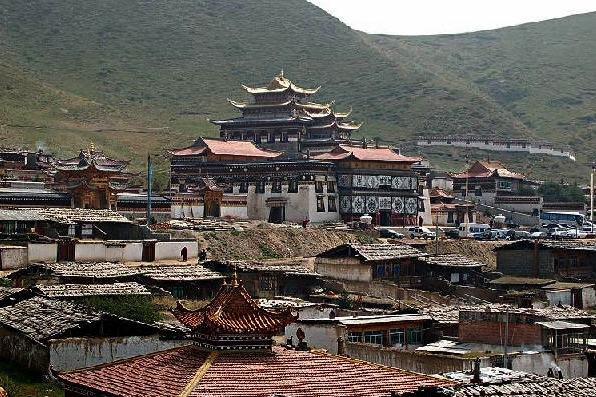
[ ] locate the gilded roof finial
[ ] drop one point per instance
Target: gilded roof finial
(235, 277)
(91, 148)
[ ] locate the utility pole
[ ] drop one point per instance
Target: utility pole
(149, 185)
(505, 354)
(592, 195)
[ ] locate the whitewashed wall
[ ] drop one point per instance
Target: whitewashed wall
(74, 353)
(343, 269)
(321, 336)
(171, 249)
(13, 257)
(47, 253)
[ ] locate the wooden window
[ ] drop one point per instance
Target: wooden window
(354, 336)
(414, 336)
(293, 187)
(319, 186)
(332, 207)
(260, 187)
(320, 204)
(373, 337)
(330, 187)
(397, 337)
(243, 187)
(87, 230)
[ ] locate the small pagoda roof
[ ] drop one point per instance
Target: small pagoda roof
(487, 169)
(342, 152)
(233, 311)
(224, 147)
(91, 158)
(280, 83)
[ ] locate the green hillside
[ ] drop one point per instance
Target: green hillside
(137, 76)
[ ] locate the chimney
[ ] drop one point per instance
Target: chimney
(341, 346)
(476, 371)
(377, 139)
(363, 143)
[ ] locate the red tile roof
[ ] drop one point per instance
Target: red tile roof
(227, 148)
(369, 154)
(285, 372)
(233, 311)
(486, 169)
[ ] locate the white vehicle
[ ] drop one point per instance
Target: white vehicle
(568, 233)
(467, 229)
(421, 232)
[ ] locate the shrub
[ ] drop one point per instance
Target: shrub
(139, 308)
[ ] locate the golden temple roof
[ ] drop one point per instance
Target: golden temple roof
(280, 83)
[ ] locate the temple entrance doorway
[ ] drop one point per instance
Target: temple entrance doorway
(277, 214)
(385, 218)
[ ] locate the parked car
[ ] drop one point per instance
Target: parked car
(452, 233)
(421, 232)
(389, 233)
(498, 234)
(538, 234)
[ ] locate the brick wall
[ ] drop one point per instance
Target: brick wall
(494, 333)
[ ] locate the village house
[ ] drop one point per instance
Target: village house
(557, 259)
(447, 212)
(73, 273)
(134, 206)
(39, 333)
(232, 346)
(534, 292)
(268, 280)
(364, 263)
(491, 184)
(406, 331)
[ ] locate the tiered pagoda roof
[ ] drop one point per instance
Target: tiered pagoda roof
(233, 312)
(283, 103)
(278, 84)
(91, 159)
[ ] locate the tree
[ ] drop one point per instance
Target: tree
(558, 192)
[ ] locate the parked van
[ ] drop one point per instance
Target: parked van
(469, 229)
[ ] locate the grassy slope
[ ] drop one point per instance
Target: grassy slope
(544, 73)
(157, 61)
(170, 65)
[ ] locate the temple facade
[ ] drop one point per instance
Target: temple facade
(92, 179)
(281, 115)
(222, 178)
(219, 178)
(376, 181)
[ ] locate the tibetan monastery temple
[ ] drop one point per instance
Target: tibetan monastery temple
(219, 178)
(92, 179)
(280, 115)
(232, 354)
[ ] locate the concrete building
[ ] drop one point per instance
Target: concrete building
(406, 331)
